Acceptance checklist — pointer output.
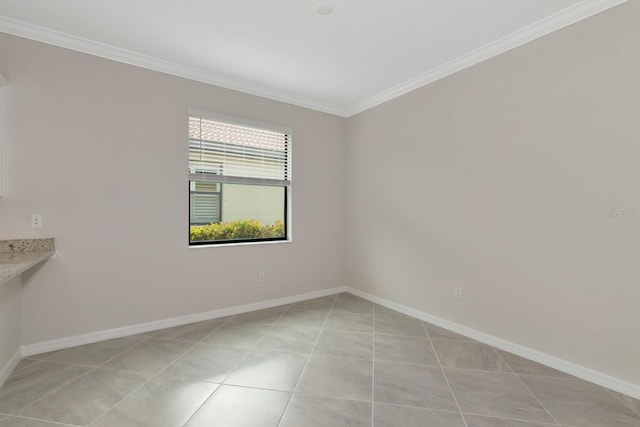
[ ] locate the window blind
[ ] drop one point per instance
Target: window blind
(230, 152)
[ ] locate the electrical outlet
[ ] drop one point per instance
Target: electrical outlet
(36, 221)
(457, 293)
(261, 277)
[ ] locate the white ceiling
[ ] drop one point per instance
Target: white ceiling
(364, 53)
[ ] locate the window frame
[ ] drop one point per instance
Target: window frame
(287, 211)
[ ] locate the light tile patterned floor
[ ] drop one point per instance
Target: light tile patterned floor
(330, 362)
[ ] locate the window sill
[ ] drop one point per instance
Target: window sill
(226, 245)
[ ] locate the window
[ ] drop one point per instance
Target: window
(239, 180)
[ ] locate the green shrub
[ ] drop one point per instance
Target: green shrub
(234, 230)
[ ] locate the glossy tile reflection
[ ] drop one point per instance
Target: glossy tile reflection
(328, 362)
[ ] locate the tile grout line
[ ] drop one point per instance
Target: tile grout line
(62, 363)
(502, 372)
(497, 417)
(249, 350)
(623, 402)
(91, 369)
(48, 359)
(373, 366)
(16, 370)
(66, 383)
(295, 387)
(151, 377)
(444, 374)
(525, 386)
(324, 328)
(338, 329)
(125, 350)
(156, 375)
(40, 420)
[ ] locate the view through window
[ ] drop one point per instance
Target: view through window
(239, 179)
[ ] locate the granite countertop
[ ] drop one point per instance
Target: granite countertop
(17, 256)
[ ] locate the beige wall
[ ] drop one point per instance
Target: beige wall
(9, 324)
(99, 148)
(504, 170)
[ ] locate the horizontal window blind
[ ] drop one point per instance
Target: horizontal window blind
(227, 152)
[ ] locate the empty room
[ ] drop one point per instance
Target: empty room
(304, 213)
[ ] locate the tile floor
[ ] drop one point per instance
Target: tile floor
(329, 362)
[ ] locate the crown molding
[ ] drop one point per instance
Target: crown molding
(102, 50)
(541, 28)
(557, 21)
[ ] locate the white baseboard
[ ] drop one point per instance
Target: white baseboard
(587, 374)
(62, 343)
(576, 370)
(8, 368)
